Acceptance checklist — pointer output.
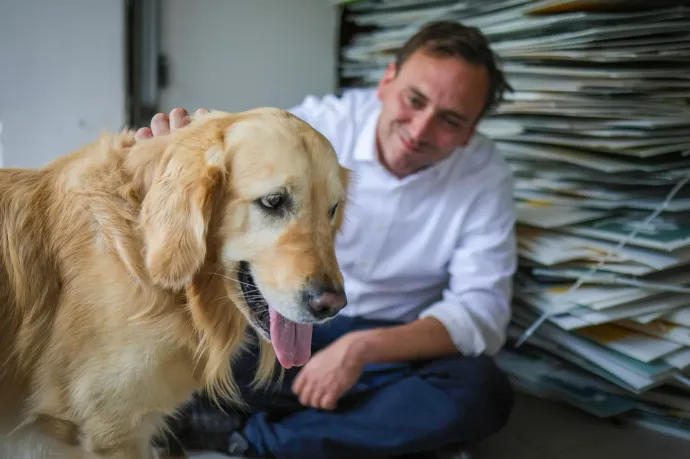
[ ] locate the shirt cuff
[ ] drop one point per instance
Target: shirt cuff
(471, 334)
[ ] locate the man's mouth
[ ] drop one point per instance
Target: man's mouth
(422, 148)
(291, 340)
(409, 146)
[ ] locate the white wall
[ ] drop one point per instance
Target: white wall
(61, 78)
(238, 54)
(62, 73)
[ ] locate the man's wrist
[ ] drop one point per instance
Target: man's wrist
(360, 347)
(421, 339)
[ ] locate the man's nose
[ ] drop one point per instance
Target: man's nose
(419, 126)
(324, 301)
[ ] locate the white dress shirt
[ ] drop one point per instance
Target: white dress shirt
(438, 243)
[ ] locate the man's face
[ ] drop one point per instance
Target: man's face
(429, 109)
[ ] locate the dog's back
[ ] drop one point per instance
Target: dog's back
(29, 283)
(29, 290)
(44, 234)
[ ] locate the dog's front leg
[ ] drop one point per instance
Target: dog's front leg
(107, 441)
(127, 450)
(131, 451)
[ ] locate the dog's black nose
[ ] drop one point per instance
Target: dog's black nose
(325, 302)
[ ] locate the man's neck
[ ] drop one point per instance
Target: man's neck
(380, 157)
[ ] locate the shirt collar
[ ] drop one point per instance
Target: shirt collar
(365, 149)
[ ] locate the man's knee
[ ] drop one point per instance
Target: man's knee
(481, 392)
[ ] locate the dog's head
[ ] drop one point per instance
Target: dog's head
(246, 207)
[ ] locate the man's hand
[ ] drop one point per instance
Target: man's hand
(329, 373)
(334, 370)
(162, 124)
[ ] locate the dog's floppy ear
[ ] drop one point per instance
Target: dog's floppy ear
(175, 213)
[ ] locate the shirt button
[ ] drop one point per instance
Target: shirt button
(379, 228)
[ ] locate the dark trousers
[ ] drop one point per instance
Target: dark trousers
(394, 409)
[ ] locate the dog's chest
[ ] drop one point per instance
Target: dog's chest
(146, 380)
(127, 380)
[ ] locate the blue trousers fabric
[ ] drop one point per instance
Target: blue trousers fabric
(394, 410)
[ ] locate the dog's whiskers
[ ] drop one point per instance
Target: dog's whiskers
(237, 281)
(254, 297)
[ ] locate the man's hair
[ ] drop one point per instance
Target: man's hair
(453, 39)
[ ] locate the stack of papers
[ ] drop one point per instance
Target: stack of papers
(597, 133)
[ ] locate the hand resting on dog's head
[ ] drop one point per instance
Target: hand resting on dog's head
(162, 123)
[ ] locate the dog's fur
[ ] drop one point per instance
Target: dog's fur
(118, 285)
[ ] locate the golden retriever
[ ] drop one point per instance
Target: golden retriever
(131, 271)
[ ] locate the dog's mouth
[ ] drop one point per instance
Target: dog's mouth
(291, 340)
(255, 300)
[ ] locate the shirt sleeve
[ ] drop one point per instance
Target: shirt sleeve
(312, 108)
(475, 307)
(327, 114)
(334, 116)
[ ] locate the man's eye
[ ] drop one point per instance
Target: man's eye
(416, 102)
(451, 122)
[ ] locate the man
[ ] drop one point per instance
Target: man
(428, 253)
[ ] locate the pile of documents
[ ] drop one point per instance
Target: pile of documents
(597, 132)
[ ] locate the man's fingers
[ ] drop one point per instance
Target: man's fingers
(315, 397)
(328, 401)
(160, 124)
(305, 396)
(178, 118)
(201, 111)
(309, 393)
(143, 133)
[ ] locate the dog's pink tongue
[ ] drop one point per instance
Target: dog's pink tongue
(291, 341)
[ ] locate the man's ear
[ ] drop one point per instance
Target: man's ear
(175, 214)
(387, 79)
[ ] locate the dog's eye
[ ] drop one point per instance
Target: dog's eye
(331, 213)
(273, 201)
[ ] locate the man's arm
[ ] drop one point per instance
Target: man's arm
(474, 312)
(421, 339)
(476, 305)
(471, 318)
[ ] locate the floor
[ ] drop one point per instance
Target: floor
(540, 429)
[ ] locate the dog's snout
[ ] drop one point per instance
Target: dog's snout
(325, 302)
